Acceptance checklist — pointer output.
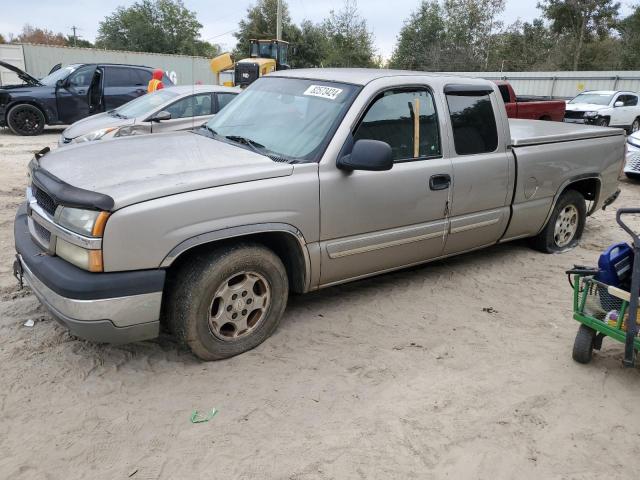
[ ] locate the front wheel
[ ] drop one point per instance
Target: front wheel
(26, 120)
(602, 122)
(565, 226)
(635, 126)
(228, 301)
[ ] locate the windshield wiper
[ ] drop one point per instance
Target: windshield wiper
(255, 146)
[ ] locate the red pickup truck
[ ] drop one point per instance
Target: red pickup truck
(530, 107)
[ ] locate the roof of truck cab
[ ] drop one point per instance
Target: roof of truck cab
(362, 76)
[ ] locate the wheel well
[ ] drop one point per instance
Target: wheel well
(27, 102)
(589, 188)
(283, 244)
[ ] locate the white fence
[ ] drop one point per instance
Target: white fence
(563, 84)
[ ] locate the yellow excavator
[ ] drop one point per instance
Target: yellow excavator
(265, 56)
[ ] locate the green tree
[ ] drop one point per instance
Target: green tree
(159, 26)
(629, 29)
(454, 35)
(421, 39)
(523, 47)
(580, 22)
(78, 42)
(2, 40)
(349, 41)
(260, 24)
(311, 47)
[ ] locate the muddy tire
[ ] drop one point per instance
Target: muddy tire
(583, 344)
(565, 226)
(25, 120)
(228, 301)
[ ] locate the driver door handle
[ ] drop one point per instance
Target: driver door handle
(441, 181)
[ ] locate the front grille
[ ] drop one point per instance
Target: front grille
(43, 234)
(571, 114)
(246, 73)
(44, 200)
(634, 163)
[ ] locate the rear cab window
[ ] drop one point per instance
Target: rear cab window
(473, 119)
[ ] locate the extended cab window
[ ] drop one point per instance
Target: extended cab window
(473, 122)
(405, 119)
(504, 92)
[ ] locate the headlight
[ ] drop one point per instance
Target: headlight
(97, 135)
(90, 260)
(634, 141)
(131, 130)
(85, 222)
(590, 114)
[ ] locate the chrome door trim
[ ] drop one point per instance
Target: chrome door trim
(363, 243)
(473, 226)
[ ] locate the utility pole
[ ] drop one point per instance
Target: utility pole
(279, 21)
(75, 37)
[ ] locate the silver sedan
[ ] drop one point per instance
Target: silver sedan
(167, 110)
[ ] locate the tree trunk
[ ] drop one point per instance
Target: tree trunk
(576, 55)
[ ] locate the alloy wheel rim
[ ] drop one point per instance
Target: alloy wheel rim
(566, 226)
(27, 120)
(239, 306)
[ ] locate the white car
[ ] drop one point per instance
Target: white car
(168, 110)
(606, 108)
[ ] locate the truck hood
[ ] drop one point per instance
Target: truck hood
(585, 107)
(95, 122)
(135, 169)
(22, 75)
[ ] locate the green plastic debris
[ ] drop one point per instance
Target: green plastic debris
(197, 418)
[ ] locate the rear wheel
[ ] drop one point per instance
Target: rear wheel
(565, 226)
(635, 126)
(26, 120)
(583, 344)
(228, 301)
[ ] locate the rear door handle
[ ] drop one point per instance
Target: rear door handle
(440, 182)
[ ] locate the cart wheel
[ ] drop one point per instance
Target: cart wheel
(583, 345)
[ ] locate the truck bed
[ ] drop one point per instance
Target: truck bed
(536, 132)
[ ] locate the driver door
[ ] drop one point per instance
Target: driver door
(73, 97)
(377, 221)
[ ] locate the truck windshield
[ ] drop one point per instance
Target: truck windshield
(145, 104)
(290, 118)
(60, 74)
(593, 98)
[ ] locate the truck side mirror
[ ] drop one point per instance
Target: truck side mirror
(370, 155)
(161, 115)
(618, 104)
(60, 83)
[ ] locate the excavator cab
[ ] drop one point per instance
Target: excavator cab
(277, 50)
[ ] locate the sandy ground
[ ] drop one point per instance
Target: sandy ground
(401, 376)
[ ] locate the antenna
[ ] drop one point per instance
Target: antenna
(75, 37)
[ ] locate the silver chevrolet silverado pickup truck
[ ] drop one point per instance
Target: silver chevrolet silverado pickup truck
(310, 178)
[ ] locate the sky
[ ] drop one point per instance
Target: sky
(220, 17)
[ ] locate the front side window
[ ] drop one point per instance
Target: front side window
(291, 118)
(182, 108)
(82, 77)
(628, 100)
(405, 119)
(473, 122)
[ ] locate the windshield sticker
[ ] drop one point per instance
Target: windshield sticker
(330, 93)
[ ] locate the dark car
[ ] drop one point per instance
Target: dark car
(69, 94)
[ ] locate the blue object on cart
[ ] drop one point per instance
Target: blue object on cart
(615, 265)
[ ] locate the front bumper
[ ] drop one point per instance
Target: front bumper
(102, 307)
(632, 160)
